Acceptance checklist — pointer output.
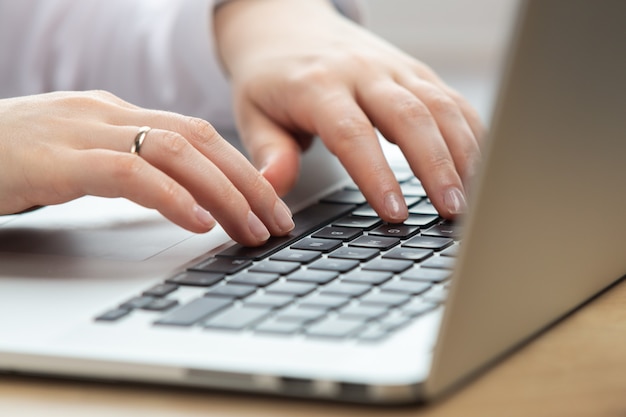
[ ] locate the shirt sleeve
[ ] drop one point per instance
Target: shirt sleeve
(152, 53)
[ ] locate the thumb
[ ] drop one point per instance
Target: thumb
(272, 149)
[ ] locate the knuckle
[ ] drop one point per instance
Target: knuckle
(174, 144)
(203, 131)
(125, 166)
(313, 74)
(441, 103)
(349, 131)
(170, 190)
(410, 109)
(352, 128)
(202, 128)
(440, 161)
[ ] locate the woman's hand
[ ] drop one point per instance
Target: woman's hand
(60, 146)
(300, 69)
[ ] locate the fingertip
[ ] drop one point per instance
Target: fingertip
(454, 202)
(203, 218)
(396, 210)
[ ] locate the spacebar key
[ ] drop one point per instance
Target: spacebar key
(196, 310)
(306, 221)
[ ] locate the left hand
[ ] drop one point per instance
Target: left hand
(300, 69)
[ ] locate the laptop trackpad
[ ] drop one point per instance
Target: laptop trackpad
(91, 227)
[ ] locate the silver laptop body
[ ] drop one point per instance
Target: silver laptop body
(544, 234)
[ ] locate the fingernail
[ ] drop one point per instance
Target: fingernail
(454, 200)
(204, 216)
(257, 227)
(283, 216)
(396, 207)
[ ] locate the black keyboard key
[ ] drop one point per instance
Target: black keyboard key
(160, 304)
(418, 306)
(339, 265)
(409, 254)
(412, 200)
(426, 274)
(346, 289)
(406, 287)
(439, 262)
(194, 311)
(375, 242)
(413, 190)
(394, 321)
(269, 300)
(137, 302)
(424, 207)
(334, 328)
(387, 299)
(368, 277)
(421, 220)
(342, 233)
(346, 196)
(237, 318)
(313, 276)
(364, 223)
(275, 267)
(161, 290)
(321, 245)
(278, 327)
(363, 312)
(428, 242)
(437, 294)
(300, 315)
(365, 211)
(306, 221)
(324, 302)
(113, 315)
(232, 290)
(256, 279)
(294, 255)
(373, 334)
(196, 279)
(222, 265)
(452, 251)
(359, 254)
(400, 231)
(442, 230)
(391, 265)
(291, 288)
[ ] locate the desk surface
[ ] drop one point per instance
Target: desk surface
(578, 368)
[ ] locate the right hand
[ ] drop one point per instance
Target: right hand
(60, 146)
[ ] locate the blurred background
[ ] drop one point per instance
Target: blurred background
(463, 40)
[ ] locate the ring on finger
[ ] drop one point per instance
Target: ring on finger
(139, 138)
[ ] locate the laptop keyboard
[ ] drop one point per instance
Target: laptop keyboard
(341, 273)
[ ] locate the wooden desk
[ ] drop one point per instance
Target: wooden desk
(578, 368)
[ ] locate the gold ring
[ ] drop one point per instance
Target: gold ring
(141, 136)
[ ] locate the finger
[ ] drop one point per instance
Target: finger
(348, 134)
(426, 73)
(217, 175)
(112, 174)
(415, 130)
(234, 192)
(469, 112)
(272, 149)
(452, 122)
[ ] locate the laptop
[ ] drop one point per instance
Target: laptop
(349, 308)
